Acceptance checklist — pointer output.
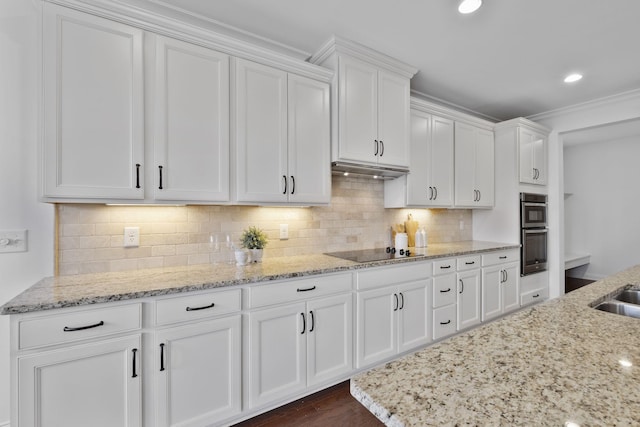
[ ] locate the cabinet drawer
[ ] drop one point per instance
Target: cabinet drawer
(444, 321)
(444, 266)
(190, 307)
(534, 296)
(297, 290)
(500, 257)
(383, 276)
(78, 325)
(468, 262)
(444, 290)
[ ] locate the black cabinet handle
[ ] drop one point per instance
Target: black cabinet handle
(160, 171)
(436, 191)
(82, 328)
(381, 148)
(304, 324)
(284, 178)
(306, 289)
(161, 357)
(375, 141)
(401, 300)
(506, 275)
(313, 321)
(536, 295)
(395, 306)
(201, 308)
(479, 195)
(503, 257)
(444, 267)
(470, 263)
(446, 323)
(293, 184)
(137, 175)
(134, 374)
(461, 286)
(430, 197)
(445, 291)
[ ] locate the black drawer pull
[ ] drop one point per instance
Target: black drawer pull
(444, 267)
(306, 289)
(160, 183)
(201, 308)
(82, 328)
(304, 324)
(293, 184)
(445, 323)
(161, 357)
(503, 257)
(536, 295)
(470, 263)
(134, 373)
(446, 290)
(313, 321)
(137, 175)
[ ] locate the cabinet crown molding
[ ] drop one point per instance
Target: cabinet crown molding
(340, 45)
(176, 23)
(521, 121)
(448, 113)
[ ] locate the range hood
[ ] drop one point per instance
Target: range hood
(368, 170)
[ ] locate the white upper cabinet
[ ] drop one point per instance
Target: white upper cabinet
(371, 105)
(532, 147)
(281, 136)
(93, 107)
(191, 141)
(474, 166)
(430, 180)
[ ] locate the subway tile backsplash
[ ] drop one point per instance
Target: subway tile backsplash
(90, 237)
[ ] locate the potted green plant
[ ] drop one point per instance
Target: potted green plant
(255, 240)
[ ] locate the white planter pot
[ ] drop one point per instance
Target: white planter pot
(256, 255)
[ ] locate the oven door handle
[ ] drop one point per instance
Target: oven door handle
(535, 231)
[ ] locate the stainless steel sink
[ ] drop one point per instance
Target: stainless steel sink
(629, 296)
(619, 307)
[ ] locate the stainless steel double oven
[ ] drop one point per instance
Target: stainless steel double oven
(533, 223)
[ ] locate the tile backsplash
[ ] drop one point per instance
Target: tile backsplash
(90, 237)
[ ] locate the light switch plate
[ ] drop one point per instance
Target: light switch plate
(284, 231)
(13, 241)
(131, 237)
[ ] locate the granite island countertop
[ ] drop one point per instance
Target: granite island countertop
(75, 290)
(556, 362)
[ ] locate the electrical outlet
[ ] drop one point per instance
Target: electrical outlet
(13, 241)
(284, 231)
(131, 237)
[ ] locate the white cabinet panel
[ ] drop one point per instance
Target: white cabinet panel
(414, 324)
(191, 141)
(93, 107)
(474, 166)
(393, 119)
(96, 384)
(492, 305)
(198, 372)
(377, 326)
(532, 149)
(469, 299)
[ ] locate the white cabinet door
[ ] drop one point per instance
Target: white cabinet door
(198, 372)
(96, 384)
(492, 305)
(469, 297)
(191, 141)
(440, 162)
(93, 107)
(260, 133)
(532, 148)
(511, 288)
(474, 166)
(376, 335)
(418, 179)
(414, 311)
(358, 110)
(309, 141)
(393, 119)
(277, 353)
(329, 337)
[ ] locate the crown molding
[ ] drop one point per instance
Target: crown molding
(522, 122)
(418, 103)
(194, 30)
(632, 95)
(340, 45)
(451, 106)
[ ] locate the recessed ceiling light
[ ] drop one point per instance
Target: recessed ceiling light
(469, 6)
(572, 78)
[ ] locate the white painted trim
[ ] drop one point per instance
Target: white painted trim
(446, 104)
(520, 121)
(448, 113)
(596, 103)
(199, 32)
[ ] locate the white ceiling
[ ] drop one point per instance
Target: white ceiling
(506, 60)
(603, 134)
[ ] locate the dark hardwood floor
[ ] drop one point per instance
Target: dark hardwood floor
(333, 407)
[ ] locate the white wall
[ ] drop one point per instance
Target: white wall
(601, 211)
(600, 112)
(19, 208)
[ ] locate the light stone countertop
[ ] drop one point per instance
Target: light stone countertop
(542, 366)
(75, 290)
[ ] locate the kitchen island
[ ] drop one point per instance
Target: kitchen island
(558, 362)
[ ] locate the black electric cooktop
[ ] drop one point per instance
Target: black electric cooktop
(369, 255)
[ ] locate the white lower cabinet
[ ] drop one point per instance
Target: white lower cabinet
(500, 291)
(198, 372)
(392, 319)
(445, 319)
(469, 298)
(293, 346)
